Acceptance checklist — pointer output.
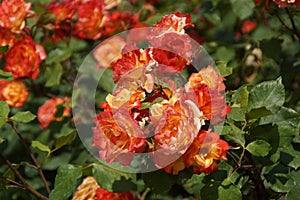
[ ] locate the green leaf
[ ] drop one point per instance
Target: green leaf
(3, 49)
(283, 115)
(258, 113)
(6, 75)
(40, 146)
(259, 148)
(58, 55)
(4, 109)
(53, 75)
(235, 134)
(225, 53)
(65, 139)
(106, 82)
(232, 192)
(223, 69)
(195, 184)
(242, 8)
(293, 194)
(65, 182)
(106, 177)
(23, 117)
(269, 94)
(237, 114)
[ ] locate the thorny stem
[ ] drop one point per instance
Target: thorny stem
(293, 23)
(38, 167)
(22, 179)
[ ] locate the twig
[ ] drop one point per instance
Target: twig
(22, 179)
(12, 181)
(145, 193)
(38, 167)
(293, 23)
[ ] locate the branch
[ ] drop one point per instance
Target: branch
(37, 165)
(22, 179)
(293, 23)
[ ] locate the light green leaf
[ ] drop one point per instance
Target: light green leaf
(237, 114)
(53, 75)
(269, 94)
(58, 55)
(23, 117)
(4, 109)
(293, 194)
(106, 176)
(232, 192)
(235, 134)
(223, 69)
(240, 97)
(40, 146)
(259, 148)
(65, 182)
(284, 114)
(242, 8)
(6, 75)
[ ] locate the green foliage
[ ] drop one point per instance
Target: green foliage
(23, 117)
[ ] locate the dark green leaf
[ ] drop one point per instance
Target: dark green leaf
(65, 139)
(195, 184)
(269, 94)
(158, 181)
(106, 176)
(235, 134)
(65, 182)
(23, 117)
(258, 113)
(53, 75)
(259, 148)
(3, 49)
(271, 48)
(40, 146)
(293, 194)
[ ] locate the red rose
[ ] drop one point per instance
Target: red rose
(24, 58)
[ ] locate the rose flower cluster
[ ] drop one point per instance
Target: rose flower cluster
(86, 19)
(151, 113)
(23, 57)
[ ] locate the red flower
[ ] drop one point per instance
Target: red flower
(90, 20)
(130, 61)
(118, 21)
(116, 136)
(13, 14)
(175, 22)
(14, 93)
(63, 10)
(7, 37)
(285, 3)
(248, 26)
(108, 52)
(24, 58)
(102, 194)
(205, 152)
(46, 113)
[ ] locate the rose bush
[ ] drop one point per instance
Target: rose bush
(168, 123)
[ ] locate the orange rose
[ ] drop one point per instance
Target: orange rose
(7, 37)
(90, 20)
(248, 26)
(108, 52)
(206, 152)
(63, 10)
(24, 58)
(46, 113)
(14, 93)
(13, 14)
